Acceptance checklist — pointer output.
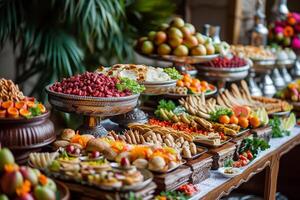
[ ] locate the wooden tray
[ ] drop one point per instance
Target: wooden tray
(81, 192)
(221, 154)
(200, 150)
(207, 144)
(172, 180)
(200, 168)
(241, 133)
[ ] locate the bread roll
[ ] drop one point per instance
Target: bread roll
(67, 134)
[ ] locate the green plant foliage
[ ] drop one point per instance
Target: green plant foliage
(55, 39)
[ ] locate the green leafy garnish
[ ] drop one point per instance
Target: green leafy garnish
(129, 84)
(35, 111)
(228, 163)
(214, 116)
(277, 130)
(164, 104)
(254, 145)
(173, 73)
(172, 195)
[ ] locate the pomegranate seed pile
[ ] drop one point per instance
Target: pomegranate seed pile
(223, 62)
(90, 84)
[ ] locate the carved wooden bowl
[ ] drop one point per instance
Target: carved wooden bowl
(24, 136)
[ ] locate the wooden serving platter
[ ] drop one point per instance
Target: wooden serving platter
(221, 154)
(82, 192)
(172, 180)
(200, 168)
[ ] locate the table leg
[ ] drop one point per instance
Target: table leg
(271, 179)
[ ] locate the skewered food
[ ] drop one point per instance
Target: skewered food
(162, 138)
(241, 97)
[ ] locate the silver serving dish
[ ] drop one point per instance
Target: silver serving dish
(263, 65)
(183, 59)
(91, 106)
(224, 74)
(158, 88)
(280, 114)
(285, 63)
(179, 96)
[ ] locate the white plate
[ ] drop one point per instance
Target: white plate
(237, 171)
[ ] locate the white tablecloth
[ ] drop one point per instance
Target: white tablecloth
(217, 179)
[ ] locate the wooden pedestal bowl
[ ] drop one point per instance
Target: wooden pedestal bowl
(23, 136)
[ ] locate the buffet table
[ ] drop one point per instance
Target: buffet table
(216, 186)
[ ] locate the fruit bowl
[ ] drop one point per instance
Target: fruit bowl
(92, 108)
(24, 136)
(263, 65)
(183, 59)
(225, 74)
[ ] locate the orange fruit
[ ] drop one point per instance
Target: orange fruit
(195, 83)
(204, 84)
(180, 83)
(187, 84)
(21, 104)
(234, 119)
(13, 112)
(187, 78)
(255, 122)
(7, 104)
(193, 89)
(31, 104)
(243, 122)
(24, 112)
(41, 107)
(2, 113)
(224, 119)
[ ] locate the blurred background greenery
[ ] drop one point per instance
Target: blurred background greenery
(53, 39)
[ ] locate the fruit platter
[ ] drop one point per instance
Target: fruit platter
(128, 150)
(191, 86)
(222, 68)
(155, 80)
(97, 172)
(24, 122)
(22, 182)
(94, 95)
(178, 42)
